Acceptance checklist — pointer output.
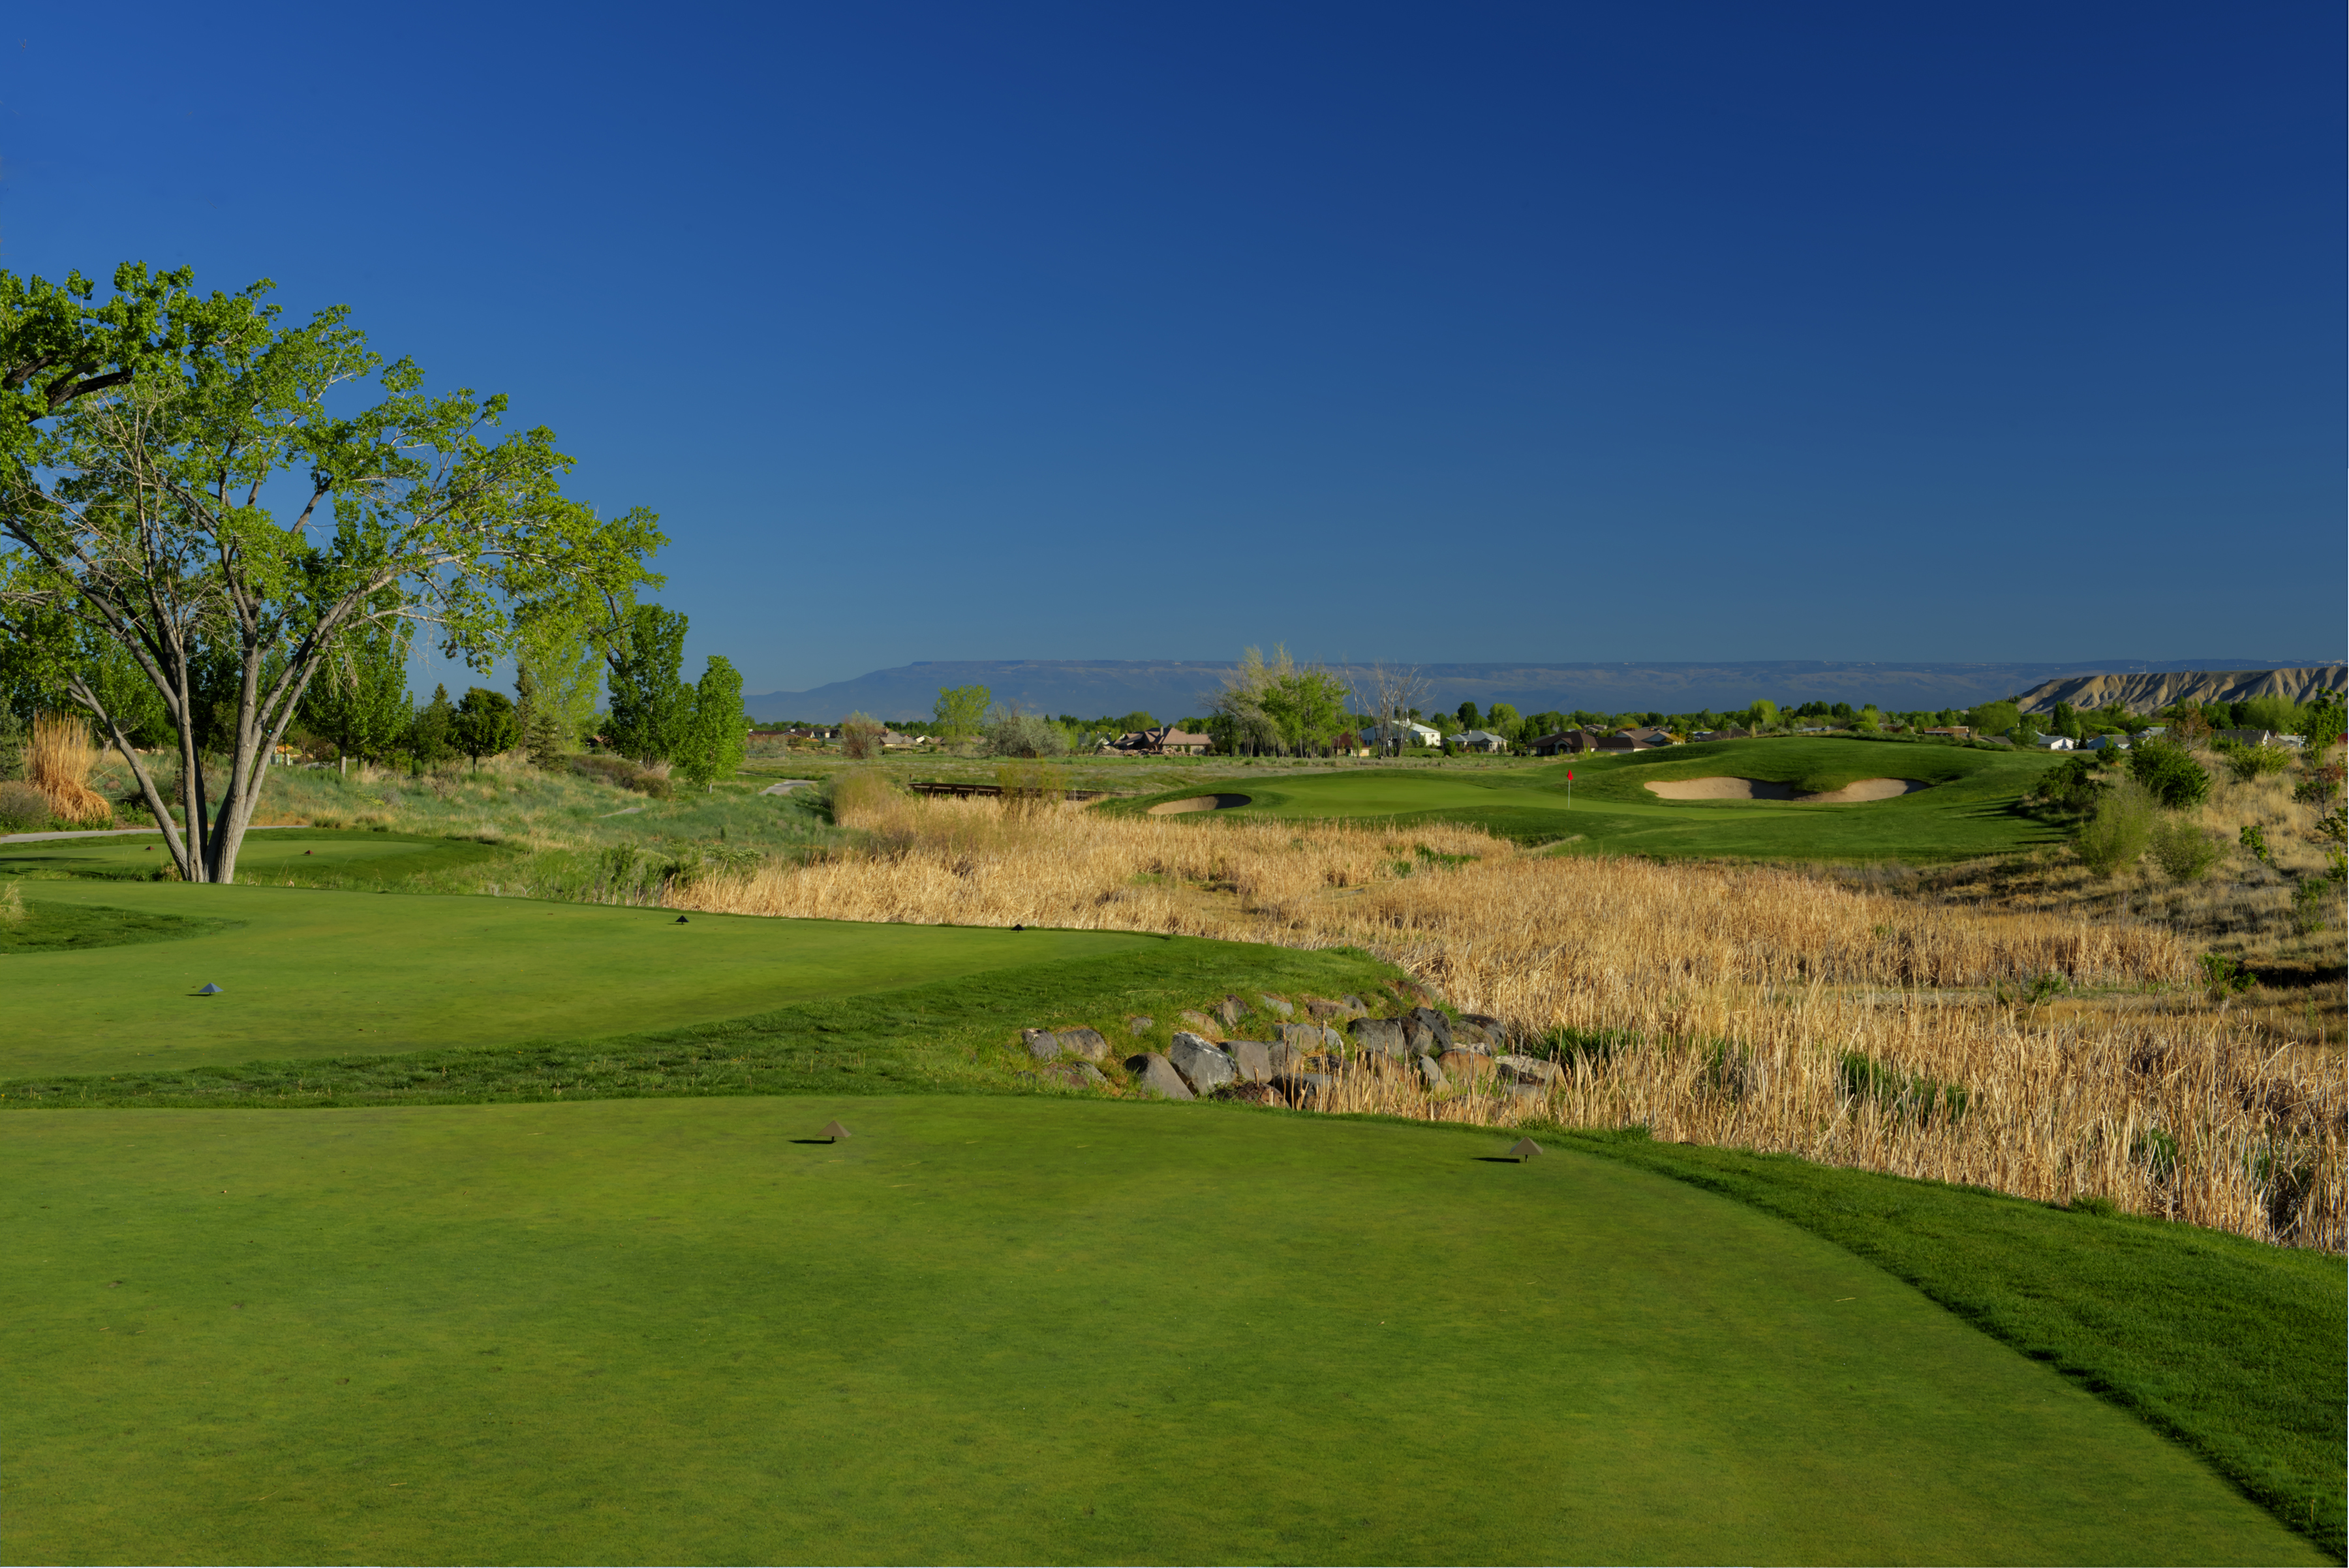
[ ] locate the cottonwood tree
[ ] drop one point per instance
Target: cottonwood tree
(652, 708)
(960, 711)
(485, 724)
(719, 734)
(1391, 695)
(174, 483)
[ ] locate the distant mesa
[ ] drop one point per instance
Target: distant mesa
(1764, 789)
(1198, 803)
(2149, 693)
(1176, 689)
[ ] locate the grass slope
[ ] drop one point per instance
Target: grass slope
(311, 974)
(2238, 1350)
(960, 1033)
(298, 856)
(999, 1329)
(1969, 812)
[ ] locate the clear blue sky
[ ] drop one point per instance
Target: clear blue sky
(1443, 331)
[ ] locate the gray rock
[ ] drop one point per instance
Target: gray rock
(1311, 1037)
(1154, 1075)
(1430, 1073)
(1423, 1027)
(1527, 1091)
(1231, 1010)
(1466, 1034)
(1085, 1042)
(1251, 1094)
(1042, 1044)
(1286, 1009)
(1201, 1064)
(1486, 1022)
(1285, 1058)
(1253, 1058)
(1530, 1069)
(1198, 1021)
(1138, 1024)
(1359, 1008)
(1463, 1064)
(1383, 1035)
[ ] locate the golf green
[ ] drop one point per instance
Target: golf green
(997, 1330)
(1968, 809)
(309, 974)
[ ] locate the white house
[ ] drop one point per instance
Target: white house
(1480, 740)
(1405, 731)
(2053, 742)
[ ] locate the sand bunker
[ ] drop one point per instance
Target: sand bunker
(1198, 803)
(1763, 789)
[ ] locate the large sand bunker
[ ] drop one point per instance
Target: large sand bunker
(1763, 789)
(1198, 803)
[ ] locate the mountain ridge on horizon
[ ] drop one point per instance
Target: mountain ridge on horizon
(1172, 688)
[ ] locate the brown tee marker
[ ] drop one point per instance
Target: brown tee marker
(834, 1131)
(1525, 1148)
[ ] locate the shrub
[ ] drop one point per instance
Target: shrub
(23, 808)
(2313, 902)
(2073, 786)
(2248, 762)
(859, 793)
(2170, 773)
(2117, 833)
(859, 737)
(1026, 735)
(2256, 841)
(620, 771)
(2319, 783)
(2182, 849)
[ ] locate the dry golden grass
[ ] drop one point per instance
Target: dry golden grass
(1747, 1006)
(57, 762)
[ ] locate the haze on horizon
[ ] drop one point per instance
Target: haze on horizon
(1501, 332)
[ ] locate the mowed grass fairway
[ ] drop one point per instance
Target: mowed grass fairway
(1968, 810)
(997, 1330)
(311, 974)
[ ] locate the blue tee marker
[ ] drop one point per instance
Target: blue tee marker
(209, 990)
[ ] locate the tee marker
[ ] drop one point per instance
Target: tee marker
(833, 1131)
(209, 990)
(1525, 1148)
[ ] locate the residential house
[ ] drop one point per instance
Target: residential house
(2104, 742)
(1565, 741)
(1480, 740)
(1953, 731)
(1635, 740)
(1165, 740)
(1405, 731)
(2249, 737)
(2053, 742)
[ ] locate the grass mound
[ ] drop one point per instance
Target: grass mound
(1030, 1330)
(48, 926)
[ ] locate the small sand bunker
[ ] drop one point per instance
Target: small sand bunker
(1198, 803)
(1763, 789)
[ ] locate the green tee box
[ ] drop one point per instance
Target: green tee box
(998, 1330)
(310, 973)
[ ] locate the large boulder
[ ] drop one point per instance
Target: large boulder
(1285, 1008)
(1430, 1073)
(1382, 1035)
(1466, 1034)
(1231, 1010)
(1286, 1058)
(1085, 1042)
(1463, 1063)
(1200, 1022)
(1303, 1087)
(1323, 1009)
(1139, 1024)
(1426, 1032)
(1154, 1075)
(1311, 1037)
(1253, 1058)
(1042, 1044)
(1530, 1069)
(1251, 1094)
(1204, 1065)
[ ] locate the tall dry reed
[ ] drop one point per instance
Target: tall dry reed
(1747, 1006)
(57, 762)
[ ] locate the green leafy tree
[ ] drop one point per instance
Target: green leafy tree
(1468, 716)
(433, 732)
(558, 666)
(1993, 718)
(2320, 723)
(145, 444)
(485, 724)
(652, 708)
(719, 734)
(2169, 774)
(1762, 715)
(2115, 836)
(358, 699)
(960, 711)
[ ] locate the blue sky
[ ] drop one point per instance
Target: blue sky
(1558, 332)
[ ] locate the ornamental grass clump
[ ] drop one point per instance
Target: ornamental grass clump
(57, 761)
